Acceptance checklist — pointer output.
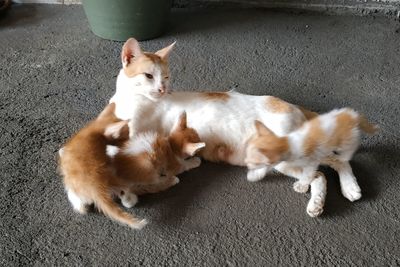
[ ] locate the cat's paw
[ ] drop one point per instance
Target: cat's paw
(255, 175)
(175, 180)
(193, 163)
(129, 200)
(139, 225)
(351, 191)
(316, 206)
(300, 187)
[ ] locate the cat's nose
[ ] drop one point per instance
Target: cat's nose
(162, 90)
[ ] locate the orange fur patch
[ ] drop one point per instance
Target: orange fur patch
(276, 105)
(216, 96)
(345, 123)
(315, 136)
(308, 113)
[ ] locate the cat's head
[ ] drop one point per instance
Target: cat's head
(142, 72)
(265, 148)
(184, 141)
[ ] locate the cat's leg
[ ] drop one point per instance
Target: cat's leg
(305, 175)
(188, 164)
(128, 198)
(348, 182)
(318, 194)
(77, 203)
(256, 174)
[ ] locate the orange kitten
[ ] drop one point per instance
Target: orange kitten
(149, 161)
(87, 171)
(325, 139)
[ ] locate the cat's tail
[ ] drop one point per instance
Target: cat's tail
(106, 204)
(366, 126)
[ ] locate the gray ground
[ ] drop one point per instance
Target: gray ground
(55, 75)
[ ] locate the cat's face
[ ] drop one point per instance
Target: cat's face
(145, 73)
(265, 148)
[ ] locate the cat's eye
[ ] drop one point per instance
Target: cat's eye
(148, 76)
(166, 77)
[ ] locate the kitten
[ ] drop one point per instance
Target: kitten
(334, 136)
(87, 171)
(149, 162)
(223, 120)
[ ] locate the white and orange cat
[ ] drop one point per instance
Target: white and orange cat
(150, 162)
(92, 177)
(223, 120)
(334, 136)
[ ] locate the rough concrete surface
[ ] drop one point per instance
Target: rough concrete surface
(55, 75)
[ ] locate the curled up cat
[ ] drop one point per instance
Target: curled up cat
(331, 137)
(147, 163)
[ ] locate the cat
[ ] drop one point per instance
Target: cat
(135, 167)
(223, 120)
(334, 136)
(87, 171)
(149, 162)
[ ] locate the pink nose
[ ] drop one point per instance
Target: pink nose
(162, 90)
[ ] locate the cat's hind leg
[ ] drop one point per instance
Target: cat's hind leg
(128, 199)
(318, 194)
(79, 204)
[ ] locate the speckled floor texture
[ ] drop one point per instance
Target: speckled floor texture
(55, 75)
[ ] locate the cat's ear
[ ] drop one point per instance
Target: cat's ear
(107, 112)
(117, 131)
(181, 123)
(192, 148)
(164, 53)
(130, 50)
(262, 129)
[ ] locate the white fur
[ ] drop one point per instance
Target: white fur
(77, 203)
(143, 142)
(230, 122)
(318, 194)
(111, 151)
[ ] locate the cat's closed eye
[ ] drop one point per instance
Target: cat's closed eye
(148, 76)
(166, 77)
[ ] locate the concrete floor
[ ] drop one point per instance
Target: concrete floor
(55, 75)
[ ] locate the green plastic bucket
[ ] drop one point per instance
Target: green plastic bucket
(121, 19)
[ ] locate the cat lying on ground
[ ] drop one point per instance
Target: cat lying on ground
(334, 136)
(223, 120)
(149, 161)
(92, 177)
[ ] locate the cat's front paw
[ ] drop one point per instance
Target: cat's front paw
(255, 175)
(129, 200)
(192, 163)
(300, 187)
(316, 206)
(351, 191)
(175, 180)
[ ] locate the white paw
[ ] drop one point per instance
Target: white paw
(129, 200)
(255, 175)
(175, 180)
(316, 206)
(300, 187)
(139, 225)
(193, 162)
(351, 191)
